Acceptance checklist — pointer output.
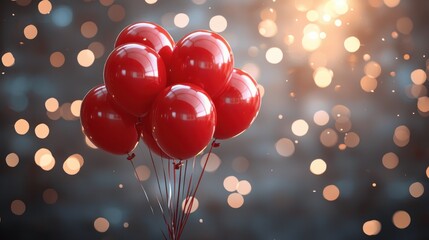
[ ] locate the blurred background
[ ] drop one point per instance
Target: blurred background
(339, 149)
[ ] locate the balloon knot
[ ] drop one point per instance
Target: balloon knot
(177, 164)
(131, 156)
(139, 126)
(215, 144)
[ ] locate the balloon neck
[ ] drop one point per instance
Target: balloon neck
(215, 144)
(139, 125)
(131, 156)
(177, 165)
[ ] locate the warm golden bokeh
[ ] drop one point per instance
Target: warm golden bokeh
(390, 160)
(85, 58)
(244, 187)
(44, 7)
(285, 147)
(143, 172)
(328, 137)
(323, 77)
(181, 20)
(97, 48)
(371, 227)
(101, 224)
(321, 118)
(52, 104)
(418, 76)
(416, 189)
(89, 29)
(57, 59)
(352, 44)
(331, 192)
(186, 205)
(368, 84)
(267, 28)
(274, 55)
(7, 59)
(401, 136)
(41, 131)
(18, 207)
(30, 32)
(300, 127)
(235, 200)
(230, 183)
(401, 219)
(218, 23)
(318, 166)
(75, 108)
(372, 69)
(351, 139)
(22, 126)
(116, 13)
(213, 162)
(12, 160)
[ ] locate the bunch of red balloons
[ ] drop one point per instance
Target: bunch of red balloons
(175, 96)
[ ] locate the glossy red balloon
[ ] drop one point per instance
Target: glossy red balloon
(203, 58)
(107, 125)
(146, 135)
(134, 75)
(183, 120)
(148, 34)
(237, 106)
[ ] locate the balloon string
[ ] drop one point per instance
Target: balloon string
(166, 192)
(170, 200)
(160, 191)
(157, 176)
(188, 211)
(179, 207)
(141, 186)
(180, 217)
(188, 191)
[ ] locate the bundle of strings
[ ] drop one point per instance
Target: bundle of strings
(177, 183)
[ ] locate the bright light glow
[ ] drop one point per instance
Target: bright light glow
(230, 183)
(235, 200)
(85, 58)
(181, 20)
(371, 227)
(318, 166)
(22, 126)
(244, 187)
(401, 219)
(331, 192)
(352, 44)
(418, 76)
(218, 23)
(321, 118)
(274, 55)
(101, 225)
(323, 77)
(8, 59)
(299, 127)
(30, 32)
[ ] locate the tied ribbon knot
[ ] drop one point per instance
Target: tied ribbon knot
(131, 156)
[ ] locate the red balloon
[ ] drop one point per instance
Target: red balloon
(148, 34)
(237, 106)
(146, 135)
(134, 75)
(183, 120)
(107, 125)
(203, 58)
